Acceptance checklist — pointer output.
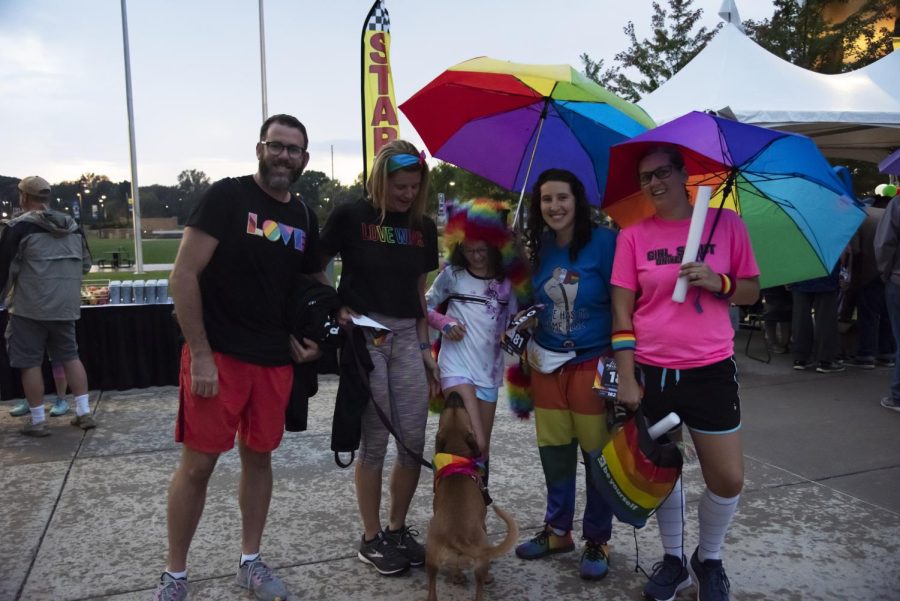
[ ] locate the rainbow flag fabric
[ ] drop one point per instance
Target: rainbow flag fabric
(634, 473)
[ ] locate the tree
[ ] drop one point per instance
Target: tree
(192, 184)
(309, 186)
(672, 45)
(458, 184)
(804, 36)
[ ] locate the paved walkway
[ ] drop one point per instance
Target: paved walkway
(84, 513)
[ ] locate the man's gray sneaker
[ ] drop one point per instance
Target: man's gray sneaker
(85, 422)
(259, 579)
(405, 541)
(171, 589)
(38, 430)
(383, 554)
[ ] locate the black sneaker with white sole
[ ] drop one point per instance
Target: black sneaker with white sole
(405, 541)
(830, 367)
(383, 555)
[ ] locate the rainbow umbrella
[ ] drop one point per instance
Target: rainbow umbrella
(798, 213)
(635, 473)
(508, 122)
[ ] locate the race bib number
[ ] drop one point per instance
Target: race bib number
(515, 341)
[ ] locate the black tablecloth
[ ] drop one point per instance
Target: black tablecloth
(121, 346)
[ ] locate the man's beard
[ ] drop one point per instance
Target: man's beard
(278, 181)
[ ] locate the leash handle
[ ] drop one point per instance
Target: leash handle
(341, 464)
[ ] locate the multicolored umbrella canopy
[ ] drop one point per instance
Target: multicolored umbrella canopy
(508, 122)
(797, 211)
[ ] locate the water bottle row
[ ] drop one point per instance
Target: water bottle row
(141, 292)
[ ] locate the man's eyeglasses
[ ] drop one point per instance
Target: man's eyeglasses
(660, 173)
(294, 151)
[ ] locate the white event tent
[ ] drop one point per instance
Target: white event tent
(852, 115)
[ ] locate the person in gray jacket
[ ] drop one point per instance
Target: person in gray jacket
(43, 255)
(887, 257)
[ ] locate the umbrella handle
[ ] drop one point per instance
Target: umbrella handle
(530, 163)
(664, 425)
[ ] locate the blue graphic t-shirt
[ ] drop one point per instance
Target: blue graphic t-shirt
(576, 295)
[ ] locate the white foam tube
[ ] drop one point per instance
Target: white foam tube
(698, 219)
(663, 425)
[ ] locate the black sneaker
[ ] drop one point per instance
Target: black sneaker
(383, 555)
(830, 367)
(862, 362)
(712, 583)
(800, 364)
(405, 542)
(885, 361)
(669, 576)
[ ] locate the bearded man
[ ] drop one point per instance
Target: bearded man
(245, 245)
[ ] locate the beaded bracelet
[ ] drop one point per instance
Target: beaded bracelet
(623, 340)
(728, 287)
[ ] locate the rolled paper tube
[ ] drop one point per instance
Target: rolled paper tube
(698, 219)
(663, 425)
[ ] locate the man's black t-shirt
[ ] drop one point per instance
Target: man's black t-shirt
(263, 246)
(382, 261)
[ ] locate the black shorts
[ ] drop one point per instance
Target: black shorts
(706, 398)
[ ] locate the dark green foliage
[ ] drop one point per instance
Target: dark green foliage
(803, 37)
(674, 41)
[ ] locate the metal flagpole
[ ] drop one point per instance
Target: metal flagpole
(135, 191)
(262, 61)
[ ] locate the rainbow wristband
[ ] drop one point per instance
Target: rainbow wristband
(623, 340)
(728, 287)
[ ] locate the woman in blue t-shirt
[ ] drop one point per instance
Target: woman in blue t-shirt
(387, 248)
(571, 266)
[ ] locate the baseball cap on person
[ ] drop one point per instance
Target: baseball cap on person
(35, 186)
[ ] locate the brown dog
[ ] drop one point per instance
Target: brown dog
(457, 539)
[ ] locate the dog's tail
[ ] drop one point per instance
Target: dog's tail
(512, 535)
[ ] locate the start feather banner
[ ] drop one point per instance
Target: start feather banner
(379, 108)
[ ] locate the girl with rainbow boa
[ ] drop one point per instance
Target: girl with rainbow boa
(470, 303)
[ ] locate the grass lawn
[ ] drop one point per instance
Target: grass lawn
(155, 251)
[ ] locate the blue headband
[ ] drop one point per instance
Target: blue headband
(402, 161)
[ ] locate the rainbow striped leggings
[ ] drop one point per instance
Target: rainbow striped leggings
(569, 414)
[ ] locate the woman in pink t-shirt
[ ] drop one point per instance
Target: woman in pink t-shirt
(685, 352)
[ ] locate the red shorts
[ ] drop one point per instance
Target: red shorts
(250, 403)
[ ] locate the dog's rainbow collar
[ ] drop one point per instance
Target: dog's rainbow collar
(447, 464)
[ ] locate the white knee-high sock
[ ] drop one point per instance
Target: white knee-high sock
(670, 518)
(715, 515)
